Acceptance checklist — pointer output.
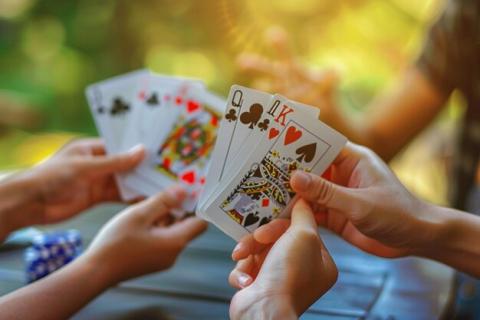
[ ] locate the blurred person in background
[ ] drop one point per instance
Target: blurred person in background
(449, 61)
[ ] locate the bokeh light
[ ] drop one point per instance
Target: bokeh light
(50, 50)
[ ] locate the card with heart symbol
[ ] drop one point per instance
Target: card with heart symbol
(250, 153)
(183, 156)
(278, 112)
(153, 101)
(260, 190)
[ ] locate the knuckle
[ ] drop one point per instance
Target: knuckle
(324, 192)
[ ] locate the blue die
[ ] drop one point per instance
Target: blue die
(50, 252)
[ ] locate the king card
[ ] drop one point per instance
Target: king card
(260, 190)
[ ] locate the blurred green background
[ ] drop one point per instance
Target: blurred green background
(50, 50)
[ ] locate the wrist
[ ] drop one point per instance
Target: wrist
(451, 231)
(98, 272)
(262, 306)
(430, 231)
(20, 199)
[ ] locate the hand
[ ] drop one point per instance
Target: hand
(283, 271)
(79, 176)
(288, 76)
(367, 205)
(142, 239)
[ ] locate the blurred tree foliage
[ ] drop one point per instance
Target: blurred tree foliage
(50, 50)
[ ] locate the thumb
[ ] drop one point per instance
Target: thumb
(316, 189)
(117, 162)
(302, 217)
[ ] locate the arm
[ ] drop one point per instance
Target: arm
(138, 241)
(395, 118)
(391, 121)
(18, 196)
(458, 243)
(59, 295)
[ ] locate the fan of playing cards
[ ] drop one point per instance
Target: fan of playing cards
(236, 168)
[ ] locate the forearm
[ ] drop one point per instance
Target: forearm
(19, 197)
(457, 242)
(59, 295)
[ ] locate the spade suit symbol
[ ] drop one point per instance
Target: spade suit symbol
(251, 218)
(307, 152)
(252, 116)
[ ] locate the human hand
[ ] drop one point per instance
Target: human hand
(288, 76)
(143, 239)
(283, 271)
(77, 177)
(367, 205)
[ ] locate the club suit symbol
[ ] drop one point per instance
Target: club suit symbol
(153, 100)
(264, 124)
(119, 107)
(231, 115)
(252, 116)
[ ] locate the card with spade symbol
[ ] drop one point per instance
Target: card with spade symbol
(278, 112)
(260, 190)
(112, 102)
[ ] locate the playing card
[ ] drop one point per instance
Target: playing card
(260, 190)
(183, 156)
(243, 115)
(246, 116)
(111, 103)
(155, 109)
(272, 119)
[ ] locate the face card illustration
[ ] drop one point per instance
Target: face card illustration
(156, 111)
(191, 140)
(265, 190)
(279, 111)
(183, 156)
(260, 191)
(244, 108)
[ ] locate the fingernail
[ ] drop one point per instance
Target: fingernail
(135, 149)
(244, 280)
(237, 249)
(302, 180)
(177, 192)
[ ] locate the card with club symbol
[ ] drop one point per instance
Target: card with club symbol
(259, 189)
(236, 168)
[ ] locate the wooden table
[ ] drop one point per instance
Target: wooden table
(197, 288)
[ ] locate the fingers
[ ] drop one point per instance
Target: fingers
(270, 232)
(316, 189)
(247, 246)
(302, 217)
(114, 163)
(240, 276)
(184, 231)
(160, 205)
